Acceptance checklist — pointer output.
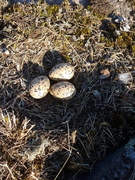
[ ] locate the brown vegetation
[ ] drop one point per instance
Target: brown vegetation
(51, 139)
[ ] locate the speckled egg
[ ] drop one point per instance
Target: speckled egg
(62, 71)
(63, 90)
(39, 87)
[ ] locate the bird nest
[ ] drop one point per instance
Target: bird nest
(52, 139)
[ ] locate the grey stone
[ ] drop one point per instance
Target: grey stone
(51, 2)
(119, 165)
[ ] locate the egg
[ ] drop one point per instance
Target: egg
(62, 71)
(39, 87)
(63, 90)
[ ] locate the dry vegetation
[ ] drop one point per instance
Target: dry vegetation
(51, 139)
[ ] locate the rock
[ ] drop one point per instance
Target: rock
(51, 2)
(84, 2)
(119, 165)
(121, 22)
(105, 73)
(125, 78)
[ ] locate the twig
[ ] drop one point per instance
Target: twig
(70, 151)
(6, 166)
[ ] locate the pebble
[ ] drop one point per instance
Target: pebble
(125, 78)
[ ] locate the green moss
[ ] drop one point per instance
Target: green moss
(42, 13)
(43, 24)
(83, 20)
(7, 17)
(98, 15)
(124, 40)
(84, 31)
(133, 49)
(68, 58)
(107, 41)
(102, 39)
(128, 40)
(81, 42)
(52, 9)
(89, 8)
(120, 42)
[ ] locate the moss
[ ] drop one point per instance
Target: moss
(89, 8)
(133, 49)
(80, 42)
(68, 58)
(43, 24)
(6, 119)
(83, 20)
(102, 39)
(7, 16)
(120, 42)
(84, 31)
(98, 15)
(52, 10)
(42, 13)
(124, 40)
(64, 48)
(108, 42)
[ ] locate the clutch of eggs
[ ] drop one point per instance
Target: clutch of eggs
(63, 90)
(39, 87)
(62, 71)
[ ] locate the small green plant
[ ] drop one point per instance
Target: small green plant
(52, 10)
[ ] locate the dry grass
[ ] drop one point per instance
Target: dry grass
(51, 139)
